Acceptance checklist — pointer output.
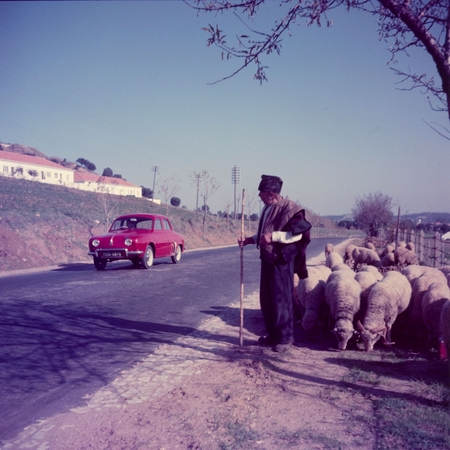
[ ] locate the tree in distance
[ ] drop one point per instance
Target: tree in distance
(86, 164)
(146, 192)
(107, 172)
(373, 212)
(175, 201)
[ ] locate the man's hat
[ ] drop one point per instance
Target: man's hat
(270, 183)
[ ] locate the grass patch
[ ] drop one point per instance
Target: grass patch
(302, 436)
(239, 436)
(411, 425)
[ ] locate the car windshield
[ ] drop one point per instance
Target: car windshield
(131, 223)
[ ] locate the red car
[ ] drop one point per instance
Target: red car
(138, 237)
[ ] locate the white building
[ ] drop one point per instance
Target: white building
(35, 168)
(88, 181)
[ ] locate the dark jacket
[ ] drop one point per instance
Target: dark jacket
(287, 216)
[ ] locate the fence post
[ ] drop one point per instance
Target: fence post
(436, 249)
(420, 240)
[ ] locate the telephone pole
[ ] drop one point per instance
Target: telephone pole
(155, 169)
(197, 175)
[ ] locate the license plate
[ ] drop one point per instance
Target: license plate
(111, 254)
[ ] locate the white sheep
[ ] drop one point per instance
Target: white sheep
(410, 246)
(348, 258)
(413, 272)
(373, 270)
(342, 295)
(414, 321)
(387, 299)
(370, 245)
(362, 255)
(329, 248)
(341, 266)
(324, 271)
(401, 244)
(366, 280)
(405, 257)
(333, 259)
(435, 297)
(311, 293)
(388, 260)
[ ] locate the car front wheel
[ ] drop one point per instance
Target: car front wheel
(147, 259)
(177, 255)
(99, 263)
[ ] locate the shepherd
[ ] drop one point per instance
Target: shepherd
(282, 237)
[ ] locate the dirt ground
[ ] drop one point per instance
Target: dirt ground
(216, 394)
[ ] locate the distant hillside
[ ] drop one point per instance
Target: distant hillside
(425, 217)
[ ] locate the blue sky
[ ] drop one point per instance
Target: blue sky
(126, 86)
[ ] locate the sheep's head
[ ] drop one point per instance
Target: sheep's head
(343, 330)
(370, 337)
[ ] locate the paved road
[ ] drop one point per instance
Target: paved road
(67, 332)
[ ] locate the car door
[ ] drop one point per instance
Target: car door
(169, 237)
(159, 238)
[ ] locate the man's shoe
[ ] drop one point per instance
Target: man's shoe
(281, 348)
(265, 340)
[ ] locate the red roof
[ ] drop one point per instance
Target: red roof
(80, 177)
(27, 159)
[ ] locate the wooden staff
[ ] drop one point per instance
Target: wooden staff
(241, 324)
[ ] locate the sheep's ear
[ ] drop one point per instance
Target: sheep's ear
(334, 330)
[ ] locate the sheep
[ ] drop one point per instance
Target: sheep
(387, 299)
(388, 249)
(333, 259)
(348, 258)
(401, 244)
(366, 280)
(329, 248)
(445, 270)
(388, 260)
(362, 255)
(435, 297)
(373, 270)
(413, 272)
(414, 321)
(370, 245)
(341, 266)
(405, 257)
(324, 271)
(311, 293)
(342, 295)
(445, 330)
(410, 246)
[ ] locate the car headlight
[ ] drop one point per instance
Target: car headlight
(95, 243)
(128, 242)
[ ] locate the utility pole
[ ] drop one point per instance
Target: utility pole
(155, 169)
(235, 179)
(198, 176)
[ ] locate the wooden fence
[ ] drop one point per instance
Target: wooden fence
(432, 250)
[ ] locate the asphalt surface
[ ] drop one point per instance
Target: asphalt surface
(71, 332)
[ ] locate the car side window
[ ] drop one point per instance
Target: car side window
(145, 224)
(166, 224)
(158, 224)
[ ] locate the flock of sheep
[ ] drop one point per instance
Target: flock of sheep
(363, 293)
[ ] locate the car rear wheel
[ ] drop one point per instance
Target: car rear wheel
(99, 263)
(147, 259)
(177, 255)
